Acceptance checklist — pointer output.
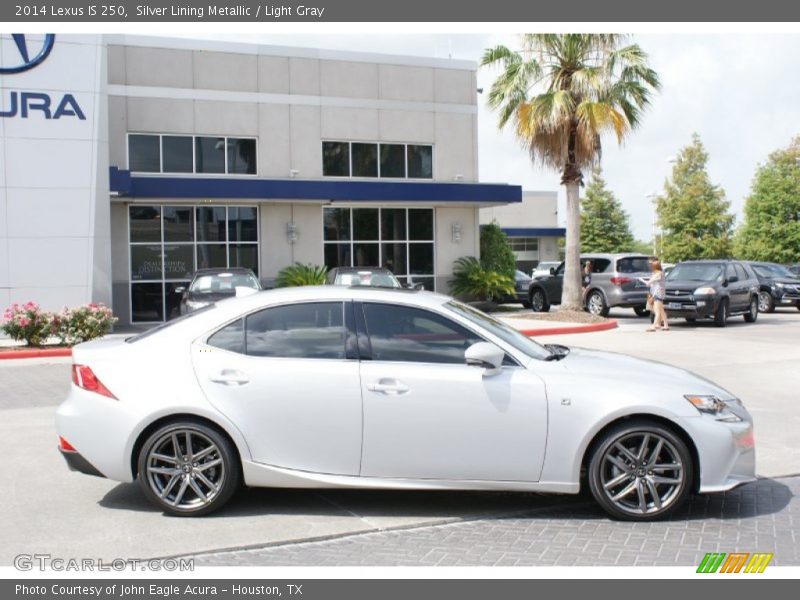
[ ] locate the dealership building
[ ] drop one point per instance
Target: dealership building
(129, 162)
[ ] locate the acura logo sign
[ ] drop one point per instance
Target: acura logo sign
(28, 55)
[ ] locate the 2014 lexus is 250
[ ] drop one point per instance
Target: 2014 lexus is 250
(324, 387)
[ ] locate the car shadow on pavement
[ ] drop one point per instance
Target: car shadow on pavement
(763, 497)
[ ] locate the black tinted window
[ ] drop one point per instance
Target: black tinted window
(741, 273)
(599, 265)
(230, 337)
(400, 333)
(730, 271)
(313, 330)
(633, 264)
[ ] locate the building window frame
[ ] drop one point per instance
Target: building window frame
(193, 137)
(378, 154)
(163, 280)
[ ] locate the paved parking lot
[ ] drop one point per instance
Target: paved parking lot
(49, 509)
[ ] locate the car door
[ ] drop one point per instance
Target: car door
(554, 285)
(428, 415)
(745, 286)
(285, 377)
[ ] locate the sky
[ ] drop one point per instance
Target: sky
(740, 93)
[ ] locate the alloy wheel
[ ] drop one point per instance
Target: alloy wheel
(764, 302)
(596, 304)
(642, 474)
(537, 301)
(185, 469)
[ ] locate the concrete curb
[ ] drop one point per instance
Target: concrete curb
(588, 328)
(37, 353)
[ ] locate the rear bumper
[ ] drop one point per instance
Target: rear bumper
(78, 463)
(627, 299)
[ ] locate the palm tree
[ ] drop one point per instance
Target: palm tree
(561, 92)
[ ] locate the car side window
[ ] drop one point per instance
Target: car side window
(230, 337)
(729, 271)
(560, 270)
(599, 265)
(741, 273)
(308, 330)
(406, 334)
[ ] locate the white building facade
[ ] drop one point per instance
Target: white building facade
(130, 162)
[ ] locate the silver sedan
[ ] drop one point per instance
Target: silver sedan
(323, 387)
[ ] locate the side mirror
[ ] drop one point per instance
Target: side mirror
(733, 279)
(552, 270)
(180, 289)
(486, 356)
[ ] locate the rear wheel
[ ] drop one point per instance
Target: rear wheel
(752, 314)
(640, 471)
(721, 316)
(766, 303)
(597, 304)
(188, 469)
(641, 311)
(539, 301)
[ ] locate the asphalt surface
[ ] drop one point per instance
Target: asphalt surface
(48, 509)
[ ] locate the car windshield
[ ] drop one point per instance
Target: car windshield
(770, 270)
(695, 272)
(496, 327)
(633, 264)
(521, 275)
(368, 278)
(214, 283)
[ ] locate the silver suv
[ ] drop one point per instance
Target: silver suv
(615, 282)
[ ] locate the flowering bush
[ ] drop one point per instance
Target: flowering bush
(83, 323)
(27, 323)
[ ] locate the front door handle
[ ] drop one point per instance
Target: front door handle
(230, 377)
(390, 387)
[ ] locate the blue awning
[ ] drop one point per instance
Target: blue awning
(141, 186)
(534, 231)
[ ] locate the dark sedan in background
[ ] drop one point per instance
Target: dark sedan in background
(778, 286)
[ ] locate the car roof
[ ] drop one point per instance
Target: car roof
(215, 270)
(360, 269)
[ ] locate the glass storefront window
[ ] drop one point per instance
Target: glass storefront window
(398, 239)
(209, 154)
(242, 156)
(393, 160)
(420, 161)
(365, 160)
(177, 151)
(168, 243)
(144, 153)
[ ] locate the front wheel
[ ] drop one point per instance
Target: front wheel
(721, 315)
(188, 469)
(766, 303)
(539, 301)
(751, 315)
(640, 471)
(597, 304)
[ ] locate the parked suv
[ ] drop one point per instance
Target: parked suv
(615, 282)
(778, 286)
(712, 289)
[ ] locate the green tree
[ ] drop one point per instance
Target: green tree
(496, 254)
(562, 92)
(605, 225)
(693, 214)
(771, 227)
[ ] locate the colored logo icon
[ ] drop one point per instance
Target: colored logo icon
(28, 54)
(736, 562)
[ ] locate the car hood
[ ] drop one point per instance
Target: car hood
(690, 286)
(785, 280)
(209, 297)
(611, 366)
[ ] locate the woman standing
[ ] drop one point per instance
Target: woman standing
(658, 291)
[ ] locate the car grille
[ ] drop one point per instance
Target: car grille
(679, 293)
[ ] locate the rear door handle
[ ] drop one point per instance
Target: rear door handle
(389, 387)
(230, 377)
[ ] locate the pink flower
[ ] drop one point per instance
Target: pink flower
(23, 322)
(30, 306)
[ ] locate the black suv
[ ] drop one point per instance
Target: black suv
(712, 289)
(778, 286)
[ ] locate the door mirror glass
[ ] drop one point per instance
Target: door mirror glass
(180, 289)
(486, 356)
(552, 270)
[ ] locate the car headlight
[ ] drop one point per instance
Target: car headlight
(705, 291)
(711, 405)
(778, 285)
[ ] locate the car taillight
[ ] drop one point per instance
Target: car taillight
(84, 378)
(620, 280)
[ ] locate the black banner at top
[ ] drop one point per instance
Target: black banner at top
(463, 11)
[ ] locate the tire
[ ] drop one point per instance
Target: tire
(596, 304)
(766, 303)
(641, 311)
(751, 315)
(525, 304)
(721, 314)
(624, 484)
(193, 487)
(539, 301)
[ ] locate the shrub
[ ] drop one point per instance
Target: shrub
(471, 279)
(27, 323)
(83, 323)
(496, 254)
(299, 274)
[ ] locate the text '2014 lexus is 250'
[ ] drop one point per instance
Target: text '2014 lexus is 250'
(354, 387)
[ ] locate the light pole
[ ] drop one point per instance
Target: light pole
(653, 197)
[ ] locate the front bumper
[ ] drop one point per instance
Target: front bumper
(693, 307)
(787, 299)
